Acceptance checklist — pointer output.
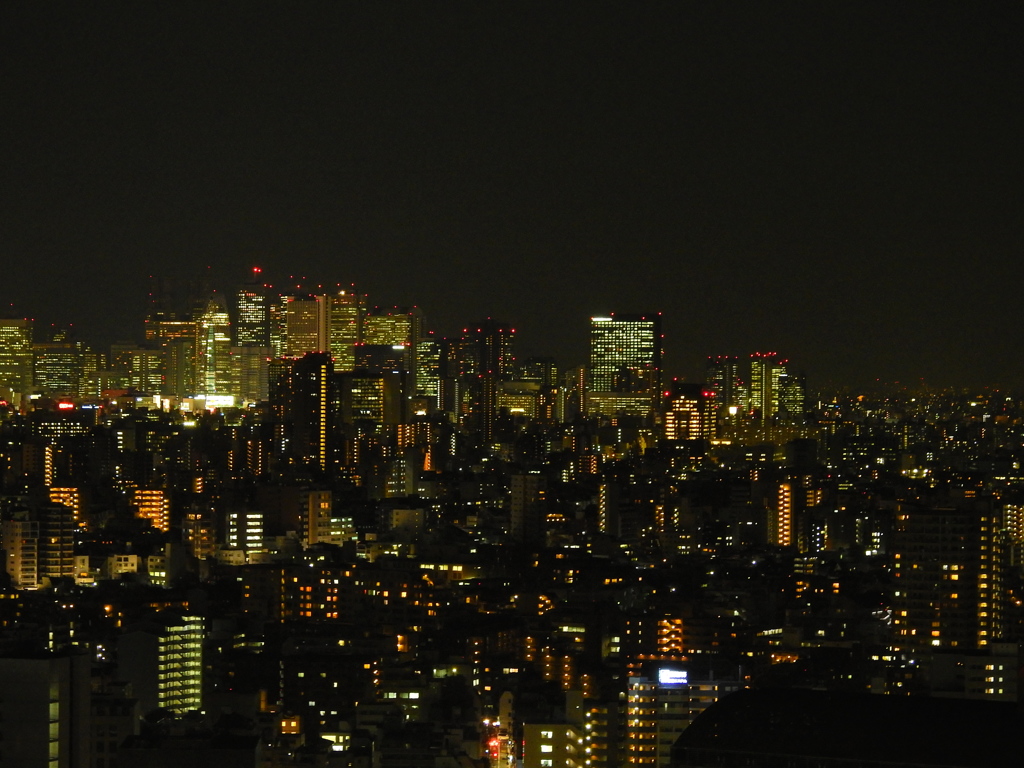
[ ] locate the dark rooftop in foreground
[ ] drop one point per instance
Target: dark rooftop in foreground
(765, 728)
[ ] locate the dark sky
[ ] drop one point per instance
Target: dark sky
(840, 182)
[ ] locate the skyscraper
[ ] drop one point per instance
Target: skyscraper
(625, 360)
(59, 367)
(722, 377)
(252, 306)
(15, 359)
(345, 310)
(305, 325)
(213, 348)
(302, 395)
(487, 360)
(625, 353)
(766, 370)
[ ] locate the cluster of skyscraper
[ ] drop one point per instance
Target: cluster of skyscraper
(202, 351)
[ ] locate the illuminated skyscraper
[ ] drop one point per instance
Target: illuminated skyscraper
(345, 310)
(392, 326)
(625, 364)
(625, 353)
(253, 312)
(213, 348)
(59, 367)
(250, 373)
(766, 370)
(305, 325)
(15, 359)
(792, 395)
(428, 372)
(143, 367)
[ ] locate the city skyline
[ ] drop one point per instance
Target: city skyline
(842, 183)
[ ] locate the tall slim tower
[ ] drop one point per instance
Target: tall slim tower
(488, 360)
(15, 358)
(252, 306)
(303, 396)
(213, 348)
(766, 370)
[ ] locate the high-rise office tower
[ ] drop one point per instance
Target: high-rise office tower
(58, 367)
(305, 324)
(766, 371)
(624, 375)
(176, 334)
(722, 377)
(370, 400)
(143, 366)
(487, 349)
(252, 310)
(179, 364)
(792, 395)
(389, 338)
(542, 370)
(625, 353)
(487, 361)
(15, 359)
(213, 348)
(250, 373)
(345, 310)
(428, 372)
(392, 326)
(161, 306)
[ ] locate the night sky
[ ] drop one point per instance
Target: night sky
(839, 182)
